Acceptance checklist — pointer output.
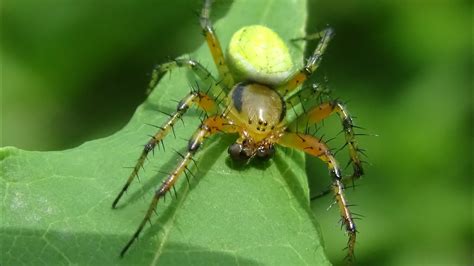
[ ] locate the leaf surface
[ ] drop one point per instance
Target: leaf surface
(56, 206)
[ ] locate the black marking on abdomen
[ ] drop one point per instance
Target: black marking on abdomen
(283, 109)
(237, 95)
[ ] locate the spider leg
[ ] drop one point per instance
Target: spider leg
(311, 65)
(326, 109)
(214, 45)
(202, 100)
(305, 98)
(216, 90)
(317, 148)
(208, 127)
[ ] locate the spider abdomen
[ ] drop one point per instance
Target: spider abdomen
(257, 108)
(257, 53)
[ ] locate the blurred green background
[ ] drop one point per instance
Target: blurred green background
(76, 70)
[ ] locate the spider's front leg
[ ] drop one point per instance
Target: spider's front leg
(202, 100)
(323, 111)
(214, 45)
(312, 63)
(208, 127)
(317, 148)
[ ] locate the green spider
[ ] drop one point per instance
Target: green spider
(256, 84)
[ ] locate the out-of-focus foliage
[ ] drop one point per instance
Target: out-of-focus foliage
(73, 71)
(76, 70)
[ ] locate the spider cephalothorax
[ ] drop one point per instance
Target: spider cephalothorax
(256, 84)
(258, 111)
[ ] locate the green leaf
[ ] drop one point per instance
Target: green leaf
(56, 206)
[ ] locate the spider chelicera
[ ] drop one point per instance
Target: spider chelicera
(256, 84)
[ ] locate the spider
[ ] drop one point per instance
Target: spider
(256, 84)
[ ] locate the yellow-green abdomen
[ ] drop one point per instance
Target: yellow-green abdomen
(258, 54)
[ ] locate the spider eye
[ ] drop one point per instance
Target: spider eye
(265, 152)
(237, 152)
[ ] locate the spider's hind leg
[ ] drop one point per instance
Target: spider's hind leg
(214, 45)
(202, 100)
(204, 75)
(312, 63)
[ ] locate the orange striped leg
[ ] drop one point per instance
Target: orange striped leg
(216, 90)
(324, 110)
(312, 64)
(317, 148)
(209, 127)
(214, 45)
(203, 101)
